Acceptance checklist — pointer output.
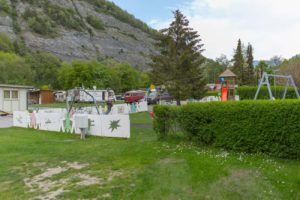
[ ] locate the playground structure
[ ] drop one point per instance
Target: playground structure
(227, 81)
(265, 80)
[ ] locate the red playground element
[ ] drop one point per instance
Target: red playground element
(227, 85)
(224, 94)
(152, 115)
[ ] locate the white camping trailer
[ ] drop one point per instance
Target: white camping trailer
(88, 95)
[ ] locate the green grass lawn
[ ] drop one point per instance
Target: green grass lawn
(36, 164)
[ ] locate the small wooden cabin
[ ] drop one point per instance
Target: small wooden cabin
(42, 97)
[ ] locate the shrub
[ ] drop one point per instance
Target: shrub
(64, 16)
(248, 92)
(166, 120)
(4, 7)
(112, 9)
(39, 23)
(212, 93)
(95, 22)
(270, 127)
(5, 43)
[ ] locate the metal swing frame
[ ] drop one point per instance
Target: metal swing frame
(71, 102)
(265, 81)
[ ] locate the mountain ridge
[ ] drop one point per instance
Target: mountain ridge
(79, 30)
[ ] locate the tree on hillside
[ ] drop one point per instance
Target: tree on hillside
(261, 68)
(276, 61)
(117, 76)
(178, 65)
(76, 74)
(45, 66)
(292, 67)
(213, 69)
(14, 70)
(249, 75)
(238, 62)
(5, 43)
(223, 60)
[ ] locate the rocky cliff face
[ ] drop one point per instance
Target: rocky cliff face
(118, 39)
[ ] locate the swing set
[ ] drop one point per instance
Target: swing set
(265, 80)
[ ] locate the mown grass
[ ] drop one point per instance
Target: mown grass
(147, 168)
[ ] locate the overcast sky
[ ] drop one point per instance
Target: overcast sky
(271, 26)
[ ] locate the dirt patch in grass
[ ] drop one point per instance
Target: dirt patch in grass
(239, 183)
(87, 180)
(114, 174)
(51, 189)
(52, 182)
(168, 161)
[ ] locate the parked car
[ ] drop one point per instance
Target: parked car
(134, 96)
(155, 97)
(120, 97)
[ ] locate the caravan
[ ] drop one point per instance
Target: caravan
(88, 95)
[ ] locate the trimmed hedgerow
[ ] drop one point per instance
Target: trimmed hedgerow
(166, 120)
(248, 92)
(270, 127)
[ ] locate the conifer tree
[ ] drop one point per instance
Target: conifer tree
(177, 67)
(250, 67)
(238, 65)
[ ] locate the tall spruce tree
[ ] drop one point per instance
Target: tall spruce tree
(238, 65)
(177, 67)
(250, 67)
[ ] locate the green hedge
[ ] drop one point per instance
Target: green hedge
(248, 92)
(271, 127)
(212, 93)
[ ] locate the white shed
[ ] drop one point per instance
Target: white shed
(13, 97)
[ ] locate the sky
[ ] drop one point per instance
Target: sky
(271, 26)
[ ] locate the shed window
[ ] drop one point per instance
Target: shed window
(14, 94)
(6, 94)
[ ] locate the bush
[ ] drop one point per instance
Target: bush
(4, 7)
(270, 127)
(5, 43)
(166, 120)
(64, 16)
(212, 93)
(248, 92)
(95, 22)
(112, 9)
(39, 23)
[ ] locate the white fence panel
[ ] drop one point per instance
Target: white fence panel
(115, 126)
(21, 119)
(50, 121)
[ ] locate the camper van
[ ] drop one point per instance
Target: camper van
(91, 95)
(134, 96)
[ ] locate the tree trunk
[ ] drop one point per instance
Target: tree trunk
(178, 102)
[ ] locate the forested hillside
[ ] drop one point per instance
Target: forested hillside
(78, 29)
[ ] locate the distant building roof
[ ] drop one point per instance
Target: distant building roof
(16, 86)
(227, 73)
